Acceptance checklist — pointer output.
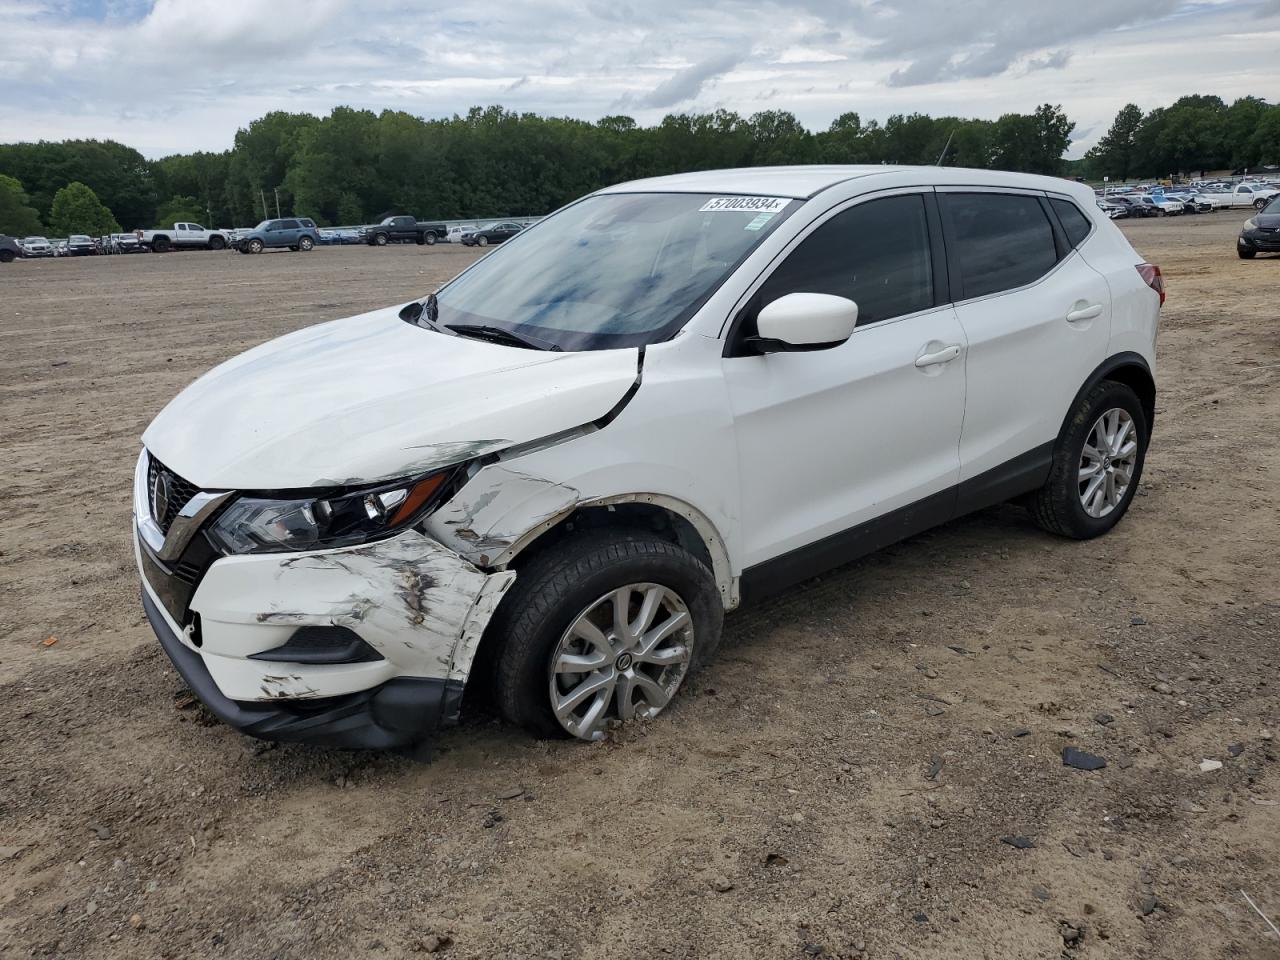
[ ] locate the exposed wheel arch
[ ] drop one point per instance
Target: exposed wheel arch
(1127, 368)
(671, 517)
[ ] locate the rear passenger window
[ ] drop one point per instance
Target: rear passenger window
(1000, 240)
(876, 254)
(1074, 222)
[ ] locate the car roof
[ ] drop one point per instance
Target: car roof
(803, 182)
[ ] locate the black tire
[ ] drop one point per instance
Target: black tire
(482, 241)
(1056, 506)
(557, 584)
(305, 244)
(6, 256)
(160, 245)
(379, 239)
(1259, 204)
(217, 243)
(1244, 254)
(429, 239)
(256, 245)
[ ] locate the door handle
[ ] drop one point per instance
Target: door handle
(941, 356)
(1084, 313)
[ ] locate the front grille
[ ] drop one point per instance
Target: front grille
(180, 493)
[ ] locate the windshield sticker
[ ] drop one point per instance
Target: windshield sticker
(760, 220)
(745, 205)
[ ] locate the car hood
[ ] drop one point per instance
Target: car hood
(372, 398)
(1271, 220)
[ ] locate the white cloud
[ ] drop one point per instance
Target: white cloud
(178, 75)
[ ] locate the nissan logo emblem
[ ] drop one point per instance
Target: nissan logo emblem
(159, 496)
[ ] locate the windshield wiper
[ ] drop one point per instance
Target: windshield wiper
(481, 331)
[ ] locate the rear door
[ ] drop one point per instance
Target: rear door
(1037, 319)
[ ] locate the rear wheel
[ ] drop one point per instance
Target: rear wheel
(599, 628)
(305, 244)
(1097, 464)
(161, 245)
(429, 239)
(217, 243)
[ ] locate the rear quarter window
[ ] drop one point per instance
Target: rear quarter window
(1075, 223)
(999, 240)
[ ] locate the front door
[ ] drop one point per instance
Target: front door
(830, 440)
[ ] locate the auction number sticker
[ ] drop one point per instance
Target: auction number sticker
(745, 205)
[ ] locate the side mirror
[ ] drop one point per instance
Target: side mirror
(804, 321)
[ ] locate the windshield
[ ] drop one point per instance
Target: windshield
(617, 270)
(1273, 205)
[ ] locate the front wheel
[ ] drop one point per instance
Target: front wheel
(255, 246)
(6, 256)
(600, 628)
(1244, 254)
(380, 240)
(482, 241)
(1097, 463)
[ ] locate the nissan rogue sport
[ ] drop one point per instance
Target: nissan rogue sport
(551, 478)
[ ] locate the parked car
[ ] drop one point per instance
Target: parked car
(1241, 195)
(125, 243)
(698, 401)
(10, 250)
(182, 236)
(494, 233)
(1261, 232)
(79, 245)
(1113, 210)
(36, 247)
(1137, 206)
(455, 234)
(404, 230)
(290, 233)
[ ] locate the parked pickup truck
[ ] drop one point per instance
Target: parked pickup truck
(182, 236)
(403, 230)
(1244, 195)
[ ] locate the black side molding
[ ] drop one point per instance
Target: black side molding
(1020, 475)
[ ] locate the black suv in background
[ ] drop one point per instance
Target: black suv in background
(9, 249)
(1261, 232)
(403, 230)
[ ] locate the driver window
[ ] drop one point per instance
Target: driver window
(876, 254)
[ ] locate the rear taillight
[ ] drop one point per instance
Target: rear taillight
(1153, 278)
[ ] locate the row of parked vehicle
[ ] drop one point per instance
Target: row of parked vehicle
(77, 245)
(1158, 201)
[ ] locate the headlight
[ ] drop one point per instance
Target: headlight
(263, 525)
(1251, 224)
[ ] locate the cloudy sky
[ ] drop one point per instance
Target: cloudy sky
(179, 75)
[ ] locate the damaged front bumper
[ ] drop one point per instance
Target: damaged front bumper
(419, 607)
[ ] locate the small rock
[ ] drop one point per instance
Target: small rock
(435, 942)
(1020, 732)
(1148, 905)
(920, 917)
(102, 832)
(1040, 893)
(935, 767)
(492, 819)
(90, 908)
(1265, 735)
(721, 885)
(511, 794)
(935, 824)
(1236, 749)
(931, 674)
(956, 648)
(813, 949)
(1137, 622)
(1071, 757)
(1104, 718)
(775, 860)
(135, 921)
(1162, 687)
(1071, 935)
(1022, 843)
(1208, 766)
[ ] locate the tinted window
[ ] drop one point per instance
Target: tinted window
(1074, 222)
(876, 254)
(1000, 240)
(289, 225)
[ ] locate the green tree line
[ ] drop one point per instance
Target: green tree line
(353, 165)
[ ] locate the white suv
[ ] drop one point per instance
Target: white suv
(554, 476)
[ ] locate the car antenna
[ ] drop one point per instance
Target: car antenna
(945, 147)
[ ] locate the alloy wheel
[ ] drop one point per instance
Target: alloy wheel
(1107, 462)
(624, 656)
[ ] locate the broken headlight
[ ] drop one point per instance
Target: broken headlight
(267, 525)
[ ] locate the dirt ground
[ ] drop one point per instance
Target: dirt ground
(838, 784)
